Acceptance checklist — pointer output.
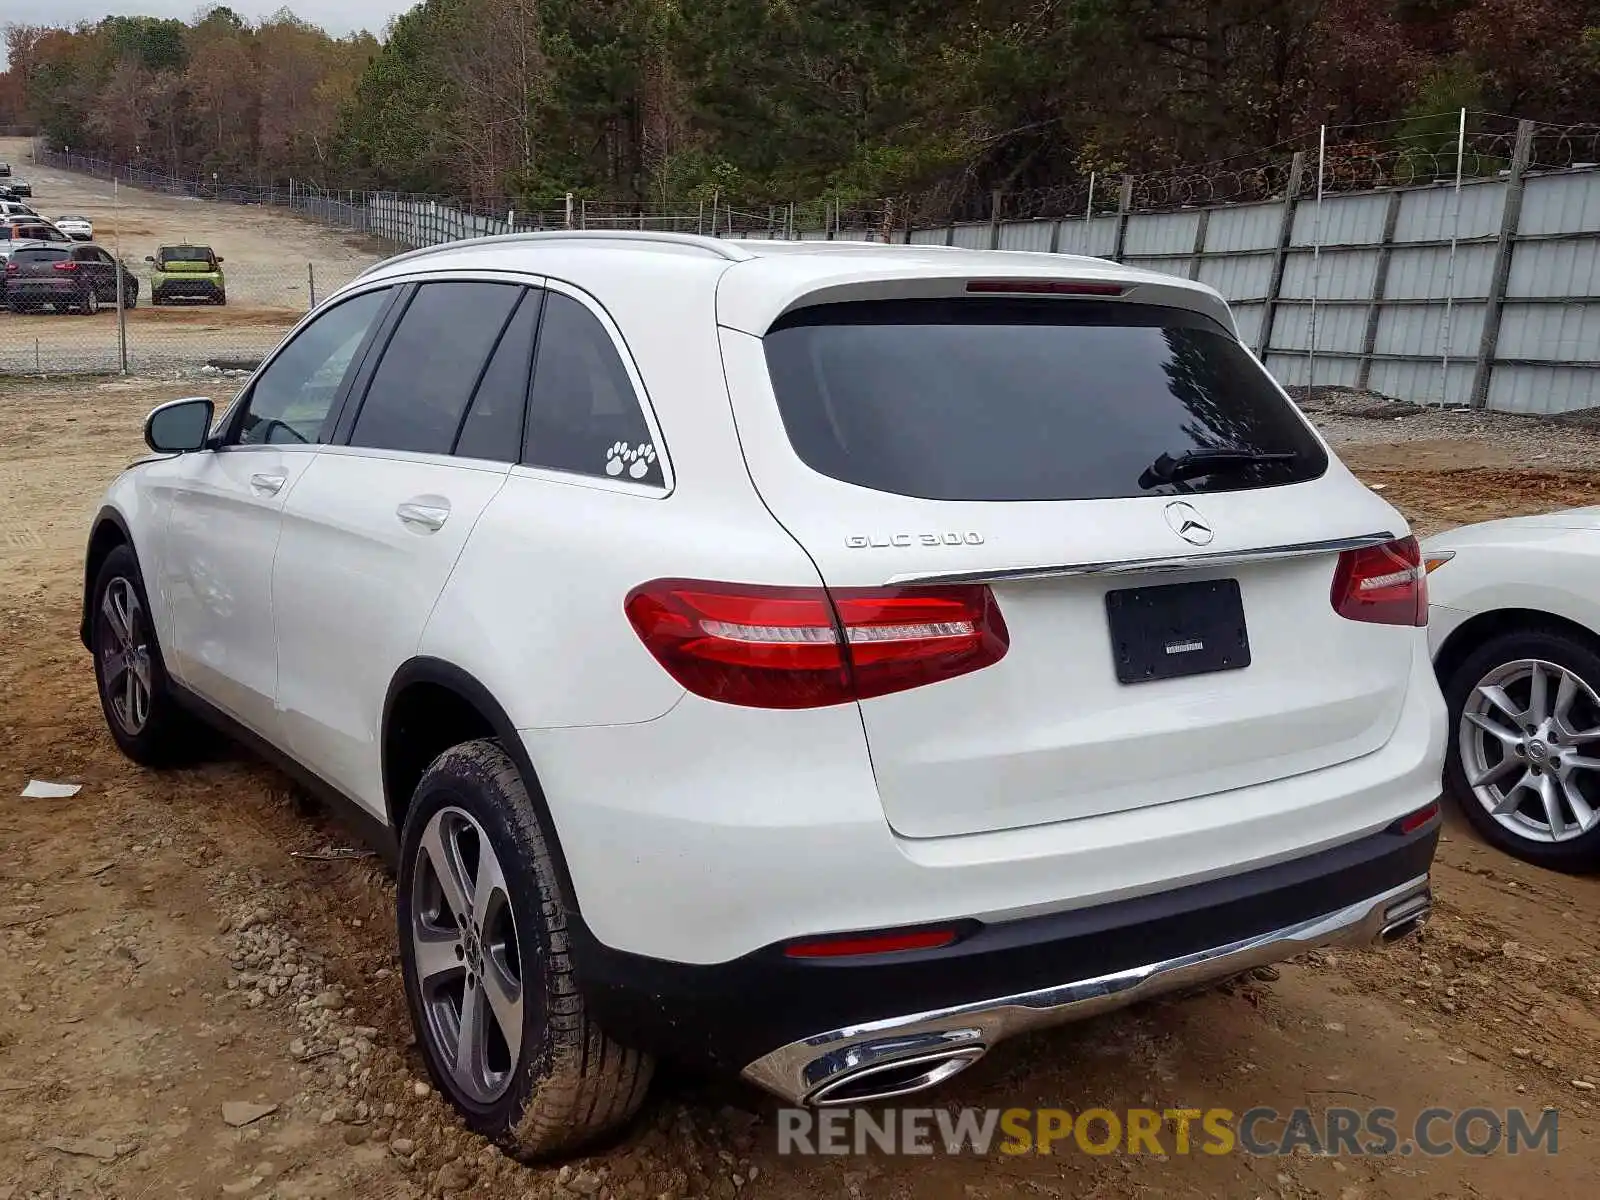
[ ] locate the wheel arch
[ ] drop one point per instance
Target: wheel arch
(1480, 628)
(108, 532)
(454, 707)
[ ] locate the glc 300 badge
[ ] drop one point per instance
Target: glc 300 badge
(882, 541)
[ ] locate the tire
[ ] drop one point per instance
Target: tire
(130, 301)
(1506, 661)
(567, 1084)
(167, 734)
(220, 298)
(91, 302)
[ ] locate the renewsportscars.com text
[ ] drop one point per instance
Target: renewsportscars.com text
(1265, 1132)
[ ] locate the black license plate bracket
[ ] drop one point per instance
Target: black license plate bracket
(1178, 629)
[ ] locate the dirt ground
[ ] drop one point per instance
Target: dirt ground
(273, 260)
(167, 949)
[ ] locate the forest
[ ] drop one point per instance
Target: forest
(657, 102)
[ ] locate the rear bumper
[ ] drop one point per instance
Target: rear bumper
(177, 289)
(42, 291)
(847, 1030)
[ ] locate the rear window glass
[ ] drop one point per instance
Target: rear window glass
(27, 254)
(185, 254)
(1010, 399)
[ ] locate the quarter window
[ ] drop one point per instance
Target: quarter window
(291, 399)
(583, 415)
(432, 366)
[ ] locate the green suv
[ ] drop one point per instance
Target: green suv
(186, 273)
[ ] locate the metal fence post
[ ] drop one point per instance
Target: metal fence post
(996, 197)
(1510, 221)
(311, 284)
(122, 317)
(1291, 199)
(1124, 209)
(1380, 284)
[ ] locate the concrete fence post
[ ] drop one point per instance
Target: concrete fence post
(1505, 247)
(1291, 200)
(1124, 215)
(1380, 285)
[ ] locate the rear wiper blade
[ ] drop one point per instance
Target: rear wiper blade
(1167, 469)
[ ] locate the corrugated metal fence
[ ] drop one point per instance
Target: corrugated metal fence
(1479, 292)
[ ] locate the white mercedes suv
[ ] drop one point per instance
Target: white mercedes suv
(816, 660)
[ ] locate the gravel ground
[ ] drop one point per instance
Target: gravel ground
(198, 993)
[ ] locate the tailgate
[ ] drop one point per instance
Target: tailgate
(907, 445)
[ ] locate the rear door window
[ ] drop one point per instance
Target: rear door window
(431, 366)
(1014, 399)
(493, 426)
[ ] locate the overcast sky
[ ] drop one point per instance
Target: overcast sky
(336, 16)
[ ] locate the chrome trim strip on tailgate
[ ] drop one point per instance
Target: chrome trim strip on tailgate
(1180, 562)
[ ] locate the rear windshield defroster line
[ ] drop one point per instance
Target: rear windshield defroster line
(1013, 399)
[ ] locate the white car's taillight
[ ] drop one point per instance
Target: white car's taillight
(781, 647)
(1385, 585)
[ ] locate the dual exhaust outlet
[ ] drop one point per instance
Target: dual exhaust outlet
(899, 1056)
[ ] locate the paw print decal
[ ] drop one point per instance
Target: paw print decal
(636, 460)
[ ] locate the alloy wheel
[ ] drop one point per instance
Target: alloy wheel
(468, 966)
(125, 655)
(1525, 735)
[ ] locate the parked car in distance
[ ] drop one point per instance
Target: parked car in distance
(20, 186)
(186, 272)
(5, 170)
(1515, 631)
(67, 279)
(80, 229)
(29, 228)
(16, 208)
(819, 661)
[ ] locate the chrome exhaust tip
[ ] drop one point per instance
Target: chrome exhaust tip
(1405, 917)
(896, 1078)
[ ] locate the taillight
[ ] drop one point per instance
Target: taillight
(68, 265)
(12, 269)
(1386, 584)
(781, 647)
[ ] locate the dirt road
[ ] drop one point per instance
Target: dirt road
(273, 261)
(164, 954)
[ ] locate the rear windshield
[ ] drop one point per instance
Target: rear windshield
(36, 254)
(24, 233)
(1009, 399)
(171, 254)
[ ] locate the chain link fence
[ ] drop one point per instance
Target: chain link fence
(53, 327)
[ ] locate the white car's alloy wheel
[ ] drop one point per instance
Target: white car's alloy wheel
(1528, 746)
(464, 943)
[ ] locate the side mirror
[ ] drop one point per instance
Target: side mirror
(220, 258)
(179, 426)
(149, 258)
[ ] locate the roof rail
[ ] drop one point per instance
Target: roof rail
(718, 246)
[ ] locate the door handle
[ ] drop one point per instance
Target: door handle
(268, 483)
(429, 517)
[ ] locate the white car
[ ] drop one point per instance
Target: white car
(1515, 629)
(79, 229)
(839, 658)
